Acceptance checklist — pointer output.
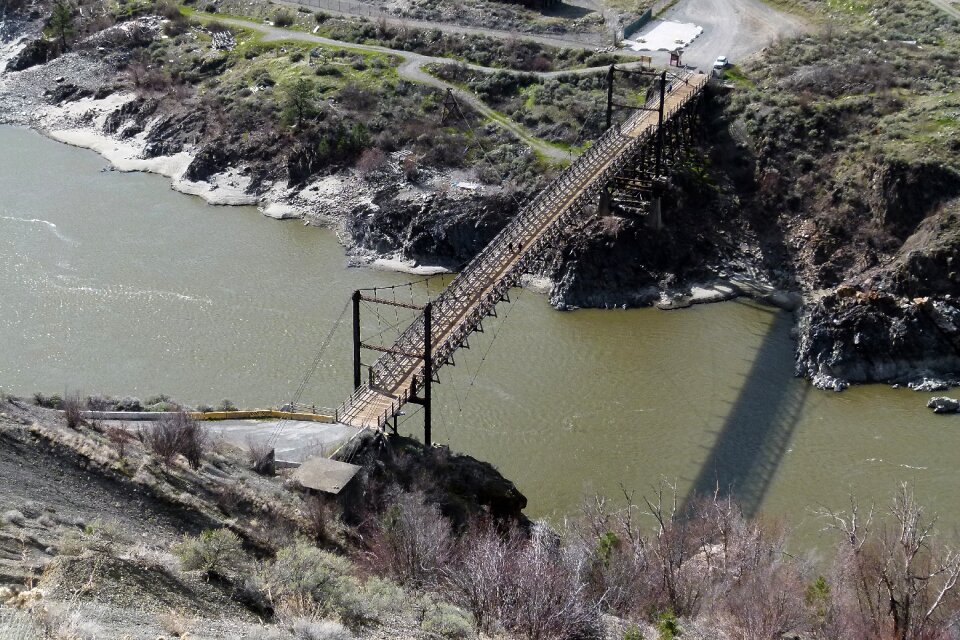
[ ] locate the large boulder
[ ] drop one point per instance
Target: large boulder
(942, 404)
(36, 52)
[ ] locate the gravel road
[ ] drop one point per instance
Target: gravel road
(733, 28)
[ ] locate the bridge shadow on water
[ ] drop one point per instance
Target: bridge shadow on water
(757, 429)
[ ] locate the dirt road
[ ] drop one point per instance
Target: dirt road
(733, 28)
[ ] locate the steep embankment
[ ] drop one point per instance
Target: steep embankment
(855, 134)
(107, 533)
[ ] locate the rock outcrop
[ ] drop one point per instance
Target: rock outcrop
(942, 404)
(461, 486)
(444, 229)
(848, 336)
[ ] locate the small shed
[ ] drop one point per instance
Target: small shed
(675, 56)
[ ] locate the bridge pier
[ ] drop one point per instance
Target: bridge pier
(655, 217)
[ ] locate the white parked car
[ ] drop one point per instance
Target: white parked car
(721, 62)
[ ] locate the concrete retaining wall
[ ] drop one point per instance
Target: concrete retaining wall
(636, 25)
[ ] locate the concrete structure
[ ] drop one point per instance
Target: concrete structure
(321, 474)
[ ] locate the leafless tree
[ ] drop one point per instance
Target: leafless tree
(261, 457)
(72, 408)
(902, 580)
(474, 580)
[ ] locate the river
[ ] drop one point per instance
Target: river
(113, 283)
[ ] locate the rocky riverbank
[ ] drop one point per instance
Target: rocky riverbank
(394, 212)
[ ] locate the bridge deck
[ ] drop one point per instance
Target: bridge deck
(472, 294)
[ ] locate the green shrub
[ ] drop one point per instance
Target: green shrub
(214, 552)
(302, 571)
(632, 633)
(283, 18)
(668, 627)
(447, 621)
(50, 402)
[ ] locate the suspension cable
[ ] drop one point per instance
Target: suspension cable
(311, 370)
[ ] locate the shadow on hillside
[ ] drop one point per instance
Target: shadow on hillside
(564, 10)
(757, 430)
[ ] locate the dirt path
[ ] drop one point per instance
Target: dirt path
(947, 6)
(353, 9)
(412, 69)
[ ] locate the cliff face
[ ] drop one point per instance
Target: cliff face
(462, 487)
(438, 228)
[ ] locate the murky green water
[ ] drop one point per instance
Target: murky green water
(113, 283)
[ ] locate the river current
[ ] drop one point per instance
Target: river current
(113, 283)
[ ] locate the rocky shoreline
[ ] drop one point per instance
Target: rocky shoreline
(710, 251)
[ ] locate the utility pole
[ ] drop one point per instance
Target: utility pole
(610, 95)
(427, 374)
(663, 94)
(356, 340)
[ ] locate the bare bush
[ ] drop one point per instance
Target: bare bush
(261, 456)
(546, 595)
(177, 623)
(72, 408)
(229, 497)
(413, 542)
(474, 579)
(119, 436)
(533, 587)
(319, 518)
(371, 160)
(177, 433)
(766, 600)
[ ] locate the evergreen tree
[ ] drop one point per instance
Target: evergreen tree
(61, 22)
